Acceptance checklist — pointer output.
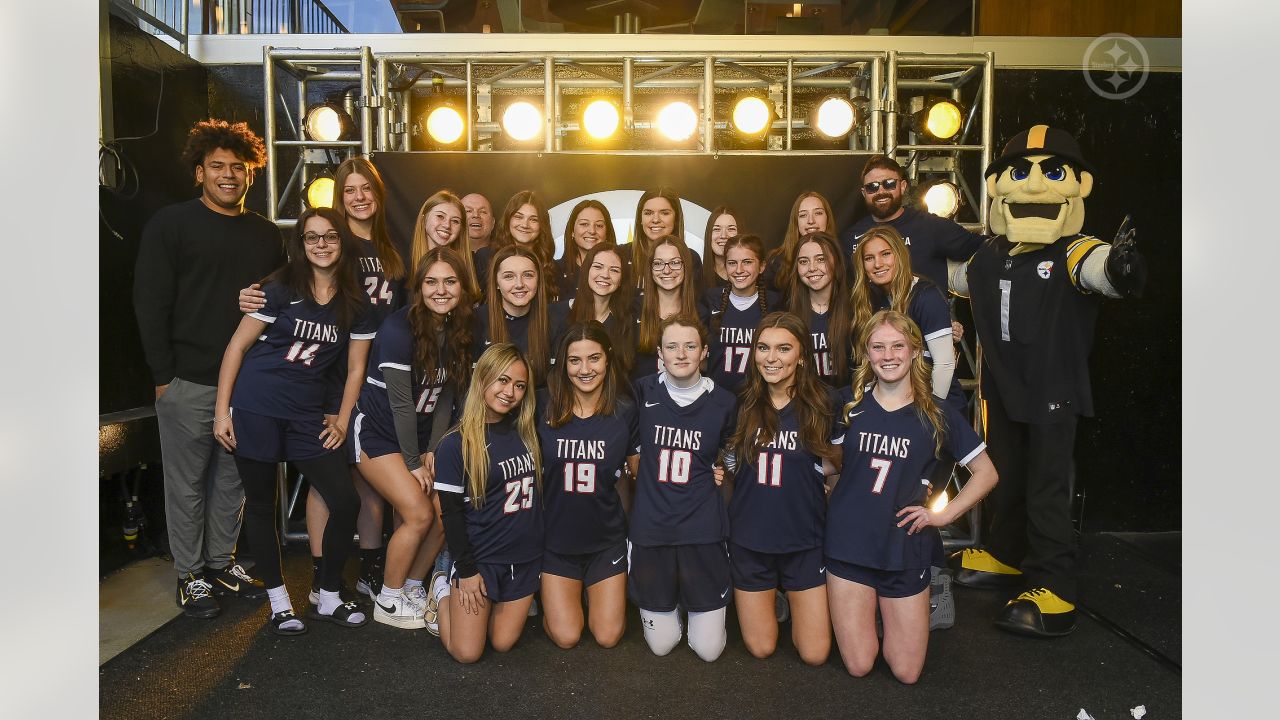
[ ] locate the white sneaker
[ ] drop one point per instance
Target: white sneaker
(404, 611)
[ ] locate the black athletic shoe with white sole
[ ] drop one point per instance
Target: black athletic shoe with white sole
(195, 597)
(233, 580)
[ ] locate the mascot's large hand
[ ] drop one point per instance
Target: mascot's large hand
(1126, 268)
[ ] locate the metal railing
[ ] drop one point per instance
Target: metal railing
(179, 19)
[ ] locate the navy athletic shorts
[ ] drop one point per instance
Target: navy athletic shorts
(589, 568)
(362, 439)
(794, 571)
(695, 577)
(504, 582)
(269, 439)
(887, 583)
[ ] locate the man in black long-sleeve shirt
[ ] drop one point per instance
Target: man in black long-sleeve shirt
(194, 258)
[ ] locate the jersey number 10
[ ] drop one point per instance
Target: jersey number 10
(673, 466)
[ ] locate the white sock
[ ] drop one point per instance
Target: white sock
(279, 597)
(410, 584)
(661, 630)
(440, 590)
(388, 595)
(329, 601)
(707, 635)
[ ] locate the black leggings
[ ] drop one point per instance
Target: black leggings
(329, 475)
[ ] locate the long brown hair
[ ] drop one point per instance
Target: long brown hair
(650, 333)
(641, 246)
(709, 277)
(298, 275)
(756, 246)
(475, 452)
(539, 327)
(839, 316)
(572, 257)
(786, 253)
(758, 419)
(560, 404)
(543, 246)
(865, 295)
(456, 328)
(393, 266)
(621, 304)
(921, 375)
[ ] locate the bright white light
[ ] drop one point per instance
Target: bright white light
(835, 117)
(320, 192)
(751, 115)
(677, 120)
(522, 121)
(944, 120)
(445, 125)
(940, 503)
(323, 123)
(942, 199)
(600, 119)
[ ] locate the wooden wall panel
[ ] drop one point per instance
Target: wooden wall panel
(1080, 18)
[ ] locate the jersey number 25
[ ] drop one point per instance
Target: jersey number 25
(519, 495)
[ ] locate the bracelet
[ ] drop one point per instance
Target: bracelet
(220, 419)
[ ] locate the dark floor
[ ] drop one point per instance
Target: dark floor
(1126, 652)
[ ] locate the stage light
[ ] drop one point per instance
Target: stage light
(940, 119)
(752, 115)
(320, 192)
(522, 121)
(834, 116)
(445, 124)
(940, 503)
(601, 119)
(328, 122)
(942, 198)
(678, 120)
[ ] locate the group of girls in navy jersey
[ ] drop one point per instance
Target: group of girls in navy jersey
(622, 423)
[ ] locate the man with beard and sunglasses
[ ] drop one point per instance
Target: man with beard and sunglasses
(932, 240)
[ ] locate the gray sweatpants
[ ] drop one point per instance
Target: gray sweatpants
(203, 497)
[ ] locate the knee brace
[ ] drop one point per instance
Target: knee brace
(707, 635)
(661, 630)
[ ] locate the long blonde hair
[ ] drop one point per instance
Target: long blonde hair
(475, 452)
(921, 375)
(421, 244)
(865, 295)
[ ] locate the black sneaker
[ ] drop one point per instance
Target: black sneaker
(195, 597)
(370, 583)
(233, 580)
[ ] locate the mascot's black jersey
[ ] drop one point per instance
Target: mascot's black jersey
(1041, 368)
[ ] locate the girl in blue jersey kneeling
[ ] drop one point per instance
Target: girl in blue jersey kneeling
(488, 475)
(880, 535)
(273, 376)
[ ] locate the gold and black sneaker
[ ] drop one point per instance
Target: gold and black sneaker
(1038, 612)
(233, 580)
(195, 597)
(980, 569)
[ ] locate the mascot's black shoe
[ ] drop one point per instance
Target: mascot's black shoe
(1038, 612)
(980, 569)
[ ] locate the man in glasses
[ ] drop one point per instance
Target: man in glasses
(194, 257)
(932, 240)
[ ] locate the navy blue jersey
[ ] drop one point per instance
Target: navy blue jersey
(888, 457)
(779, 504)
(930, 239)
(283, 374)
(730, 348)
(566, 279)
(582, 461)
(823, 354)
(507, 527)
(385, 295)
(677, 501)
(518, 327)
(928, 308)
(393, 348)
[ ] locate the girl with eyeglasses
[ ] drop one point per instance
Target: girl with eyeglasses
(589, 225)
(881, 537)
(588, 429)
(777, 514)
(271, 397)
(816, 291)
(679, 560)
(667, 289)
(732, 313)
(605, 294)
(488, 473)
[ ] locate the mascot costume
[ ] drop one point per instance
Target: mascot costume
(1035, 288)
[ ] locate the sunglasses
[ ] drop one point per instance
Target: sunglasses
(890, 184)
